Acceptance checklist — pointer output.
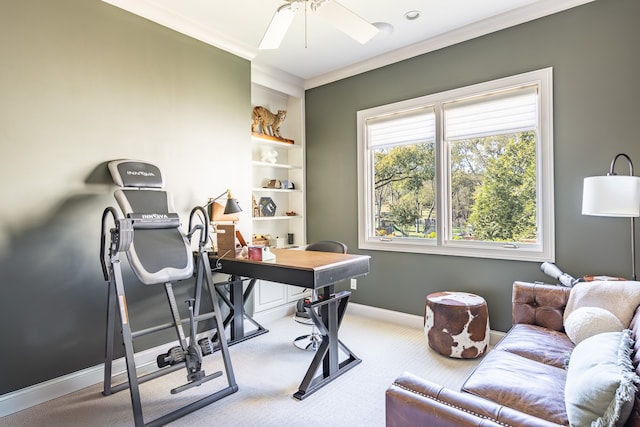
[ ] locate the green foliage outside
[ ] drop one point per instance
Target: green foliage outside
(493, 189)
(505, 205)
(402, 187)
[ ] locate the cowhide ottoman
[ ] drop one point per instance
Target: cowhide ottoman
(456, 324)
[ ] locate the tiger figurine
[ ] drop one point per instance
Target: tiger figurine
(268, 122)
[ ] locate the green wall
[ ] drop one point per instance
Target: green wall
(82, 83)
(593, 50)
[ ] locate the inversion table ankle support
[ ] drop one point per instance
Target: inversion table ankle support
(159, 253)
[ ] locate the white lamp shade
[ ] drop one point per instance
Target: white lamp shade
(611, 195)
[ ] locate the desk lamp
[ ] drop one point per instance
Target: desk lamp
(226, 234)
(231, 206)
(614, 196)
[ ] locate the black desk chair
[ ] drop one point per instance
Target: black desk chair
(312, 341)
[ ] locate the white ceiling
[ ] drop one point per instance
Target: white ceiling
(238, 26)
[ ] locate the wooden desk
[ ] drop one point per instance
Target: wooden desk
(309, 269)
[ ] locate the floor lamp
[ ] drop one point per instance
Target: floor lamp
(614, 196)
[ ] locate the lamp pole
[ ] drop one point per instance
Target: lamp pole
(633, 223)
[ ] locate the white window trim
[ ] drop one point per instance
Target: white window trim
(545, 180)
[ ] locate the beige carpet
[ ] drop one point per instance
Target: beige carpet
(268, 371)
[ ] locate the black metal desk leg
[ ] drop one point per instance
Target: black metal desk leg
(237, 323)
(237, 315)
(328, 322)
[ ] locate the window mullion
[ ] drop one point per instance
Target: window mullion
(441, 181)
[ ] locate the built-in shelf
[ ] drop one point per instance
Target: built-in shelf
(274, 165)
(279, 160)
(265, 140)
(275, 190)
(276, 218)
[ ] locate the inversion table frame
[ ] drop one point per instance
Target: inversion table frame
(117, 311)
(159, 253)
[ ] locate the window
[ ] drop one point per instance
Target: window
(466, 172)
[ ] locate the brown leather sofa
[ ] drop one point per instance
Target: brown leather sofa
(518, 383)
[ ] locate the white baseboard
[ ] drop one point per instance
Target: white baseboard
(275, 313)
(405, 319)
(57, 387)
(496, 336)
(45, 391)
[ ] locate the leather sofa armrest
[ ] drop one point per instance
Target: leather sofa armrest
(539, 304)
(411, 400)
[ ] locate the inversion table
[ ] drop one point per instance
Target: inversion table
(159, 253)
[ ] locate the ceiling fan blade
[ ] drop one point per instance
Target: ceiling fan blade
(347, 21)
(278, 27)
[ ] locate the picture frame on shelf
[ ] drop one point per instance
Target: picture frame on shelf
(267, 206)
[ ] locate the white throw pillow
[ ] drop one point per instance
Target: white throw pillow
(621, 298)
(586, 322)
(601, 381)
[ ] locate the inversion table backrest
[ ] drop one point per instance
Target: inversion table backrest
(160, 252)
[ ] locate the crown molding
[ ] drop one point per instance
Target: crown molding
(148, 10)
(478, 29)
(277, 79)
(166, 18)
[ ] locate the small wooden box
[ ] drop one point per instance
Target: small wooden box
(226, 236)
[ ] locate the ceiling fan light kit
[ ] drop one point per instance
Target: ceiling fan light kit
(342, 18)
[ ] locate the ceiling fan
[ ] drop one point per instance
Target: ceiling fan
(342, 18)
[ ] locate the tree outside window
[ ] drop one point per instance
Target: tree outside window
(465, 172)
(493, 196)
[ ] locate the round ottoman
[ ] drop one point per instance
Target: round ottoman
(456, 324)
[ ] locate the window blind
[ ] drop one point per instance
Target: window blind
(511, 111)
(409, 127)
